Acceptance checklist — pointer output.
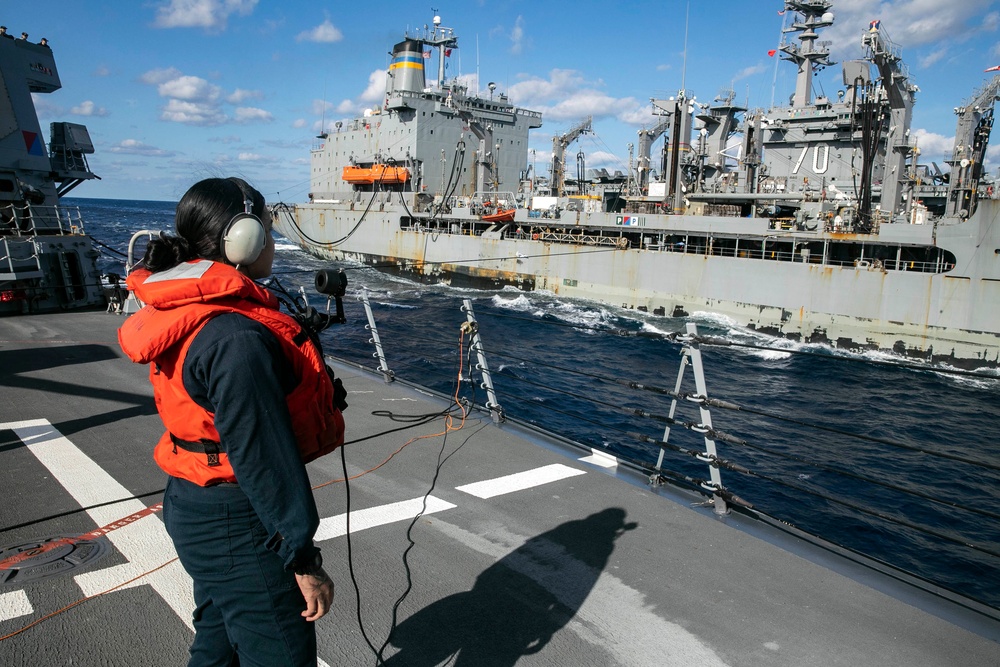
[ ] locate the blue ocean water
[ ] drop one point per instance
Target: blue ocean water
(902, 465)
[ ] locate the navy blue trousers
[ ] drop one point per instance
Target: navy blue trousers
(248, 607)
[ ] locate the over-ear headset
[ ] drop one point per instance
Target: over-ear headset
(244, 237)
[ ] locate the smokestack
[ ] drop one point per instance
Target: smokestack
(407, 69)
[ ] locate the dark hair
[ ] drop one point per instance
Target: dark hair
(203, 214)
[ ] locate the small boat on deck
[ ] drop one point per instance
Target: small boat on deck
(377, 173)
(503, 215)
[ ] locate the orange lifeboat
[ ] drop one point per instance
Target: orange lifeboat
(503, 215)
(377, 173)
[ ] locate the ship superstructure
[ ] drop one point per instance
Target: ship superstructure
(414, 131)
(812, 220)
(46, 261)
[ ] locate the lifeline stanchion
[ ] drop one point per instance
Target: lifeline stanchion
(471, 327)
(379, 354)
(673, 404)
(693, 352)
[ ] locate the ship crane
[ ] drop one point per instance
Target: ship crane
(559, 145)
(486, 158)
(646, 140)
(975, 120)
(899, 91)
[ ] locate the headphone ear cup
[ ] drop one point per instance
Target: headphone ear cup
(243, 239)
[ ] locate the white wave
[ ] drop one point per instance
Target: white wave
(520, 303)
(285, 245)
(715, 319)
(400, 306)
(646, 327)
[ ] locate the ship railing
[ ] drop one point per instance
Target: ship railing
(19, 258)
(777, 254)
(567, 237)
(33, 219)
(813, 475)
(488, 202)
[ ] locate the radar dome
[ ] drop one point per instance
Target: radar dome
(828, 17)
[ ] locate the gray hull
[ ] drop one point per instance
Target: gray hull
(935, 316)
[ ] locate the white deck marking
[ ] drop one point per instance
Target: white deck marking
(14, 605)
(336, 526)
(520, 481)
(599, 458)
(144, 543)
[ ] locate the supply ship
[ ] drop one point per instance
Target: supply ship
(47, 262)
(813, 221)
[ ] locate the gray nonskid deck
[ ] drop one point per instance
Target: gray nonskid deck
(526, 555)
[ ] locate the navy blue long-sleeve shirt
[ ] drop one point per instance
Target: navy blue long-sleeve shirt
(235, 369)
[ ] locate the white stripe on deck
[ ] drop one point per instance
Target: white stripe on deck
(336, 526)
(520, 481)
(144, 543)
(14, 605)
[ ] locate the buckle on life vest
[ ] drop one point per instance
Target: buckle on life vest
(210, 448)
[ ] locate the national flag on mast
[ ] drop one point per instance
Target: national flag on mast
(772, 52)
(874, 25)
(447, 53)
(781, 13)
(992, 69)
(427, 54)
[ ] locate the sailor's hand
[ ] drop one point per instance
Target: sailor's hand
(317, 589)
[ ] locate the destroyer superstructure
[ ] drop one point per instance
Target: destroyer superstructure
(46, 261)
(813, 221)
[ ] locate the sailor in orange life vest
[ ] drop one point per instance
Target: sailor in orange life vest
(247, 400)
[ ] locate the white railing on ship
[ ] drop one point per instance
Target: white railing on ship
(31, 219)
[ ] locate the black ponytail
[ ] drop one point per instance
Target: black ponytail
(203, 214)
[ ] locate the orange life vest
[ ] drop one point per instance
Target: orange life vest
(179, 302)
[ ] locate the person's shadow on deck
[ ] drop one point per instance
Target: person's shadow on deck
(516, 604)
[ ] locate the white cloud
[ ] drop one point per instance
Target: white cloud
(252, 114)
(208, 14)
(194, 101)
(250, 157)
(88, 108)
(102, 70)
(567, 96)
(192, 113)
(192, 88)
(325, 32)
(155, 77)
(933, 147)
(299, 123)
(239, 96)
(749, 71)
(517, 36)
(135, 147)
(374, 93)
(933, 57)
(909, 23)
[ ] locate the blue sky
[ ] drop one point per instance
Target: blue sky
(173, 91)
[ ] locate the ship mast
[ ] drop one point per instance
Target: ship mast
(810, 55)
